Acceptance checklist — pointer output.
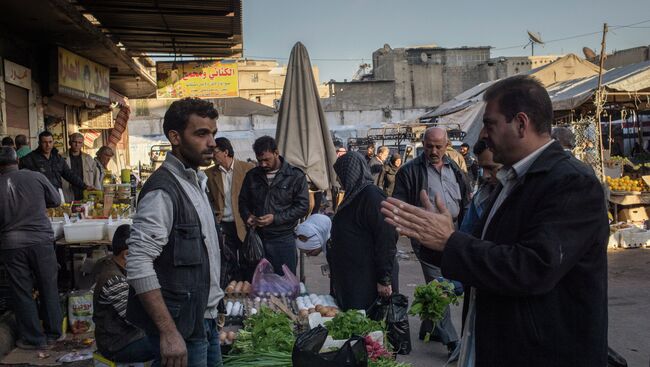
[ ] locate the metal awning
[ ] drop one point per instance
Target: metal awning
(202, 28)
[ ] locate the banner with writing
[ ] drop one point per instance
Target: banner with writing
(206, 79)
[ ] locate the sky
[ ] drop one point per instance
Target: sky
(341, 34)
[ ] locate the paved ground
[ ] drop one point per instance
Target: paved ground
(629, 305)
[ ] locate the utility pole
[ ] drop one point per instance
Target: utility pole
(599, 104)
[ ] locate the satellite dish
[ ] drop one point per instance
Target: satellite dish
(424, 57)
(533, 38)
(589, 53)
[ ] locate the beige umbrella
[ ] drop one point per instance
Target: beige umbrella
(302, 134)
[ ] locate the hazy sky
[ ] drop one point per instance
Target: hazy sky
(340, 34)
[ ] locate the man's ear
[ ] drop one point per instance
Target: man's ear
(524, 124)
(174, 137)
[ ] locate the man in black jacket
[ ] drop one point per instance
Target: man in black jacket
(434, 172)
(274, 196)
(537, 264)
(46, 160)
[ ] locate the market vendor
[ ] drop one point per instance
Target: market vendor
(117, 340)
(27, 251)
(83, 165)
(102, 158)
(47, 160)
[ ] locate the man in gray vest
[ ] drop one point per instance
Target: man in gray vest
(173, 263)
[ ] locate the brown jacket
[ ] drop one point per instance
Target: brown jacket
(215, 185)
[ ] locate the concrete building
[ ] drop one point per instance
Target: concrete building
(503, 67)
(411, 78)
(262, 81)
(625, 57)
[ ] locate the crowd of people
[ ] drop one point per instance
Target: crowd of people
(516, 223)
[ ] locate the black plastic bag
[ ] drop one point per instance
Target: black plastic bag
(394, 312)
(306, 351)
(252, 249)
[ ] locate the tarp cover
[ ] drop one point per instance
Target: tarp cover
(302, 134)
(630, 78)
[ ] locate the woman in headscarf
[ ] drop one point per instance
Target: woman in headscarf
(362, 252)
(387, 177)
(312, 234)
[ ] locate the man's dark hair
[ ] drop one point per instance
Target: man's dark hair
(21, 140)
(7, 141)
(122, 234)
(464, 145)
(179, 112)
(8, 156)
(523, 93)
(44, 134)
(224, 145)
(264, 144)
(480, 147)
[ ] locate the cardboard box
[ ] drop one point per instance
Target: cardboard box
(634, 214)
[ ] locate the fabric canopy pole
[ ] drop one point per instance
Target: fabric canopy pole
(302, 134)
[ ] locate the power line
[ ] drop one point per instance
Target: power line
(577, 35)
(633, 25)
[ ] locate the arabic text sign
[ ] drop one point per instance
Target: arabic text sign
(207, 79)
(81, 78)
(18, 75)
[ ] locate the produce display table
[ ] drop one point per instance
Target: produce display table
(73, 248)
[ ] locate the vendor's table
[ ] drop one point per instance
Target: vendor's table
(627, 200)
(78, 247)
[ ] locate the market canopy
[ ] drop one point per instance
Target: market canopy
(622, 84)
(302, 133)
(466, 109)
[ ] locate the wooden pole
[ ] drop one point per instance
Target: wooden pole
(599, 103)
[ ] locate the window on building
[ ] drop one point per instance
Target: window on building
(254, 78)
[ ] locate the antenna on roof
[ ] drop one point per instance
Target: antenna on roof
(533, 38)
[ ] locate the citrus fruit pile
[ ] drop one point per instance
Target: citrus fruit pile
(626, 183)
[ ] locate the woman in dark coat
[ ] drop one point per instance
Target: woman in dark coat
(387, 177)
(362, 251)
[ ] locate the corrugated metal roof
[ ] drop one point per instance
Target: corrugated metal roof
(204, 28)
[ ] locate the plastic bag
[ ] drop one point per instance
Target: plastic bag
(394, 312)
(308, 345)
(252, 249)
(80, 312)
(266, 282)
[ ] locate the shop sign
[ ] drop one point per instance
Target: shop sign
(18, 75)
(81, 78)
(96, 119)
(205, 79)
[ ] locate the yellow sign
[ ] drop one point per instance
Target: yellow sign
(81, 78)
(207, 79)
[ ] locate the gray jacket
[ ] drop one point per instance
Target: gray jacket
(24, 196)
(152, 226)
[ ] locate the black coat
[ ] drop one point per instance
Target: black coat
(386, 180)
(54, 168)
(287, 198)
(541, 272)
(412, 178)
(362, 250)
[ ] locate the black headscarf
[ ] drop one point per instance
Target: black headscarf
(354, 174)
